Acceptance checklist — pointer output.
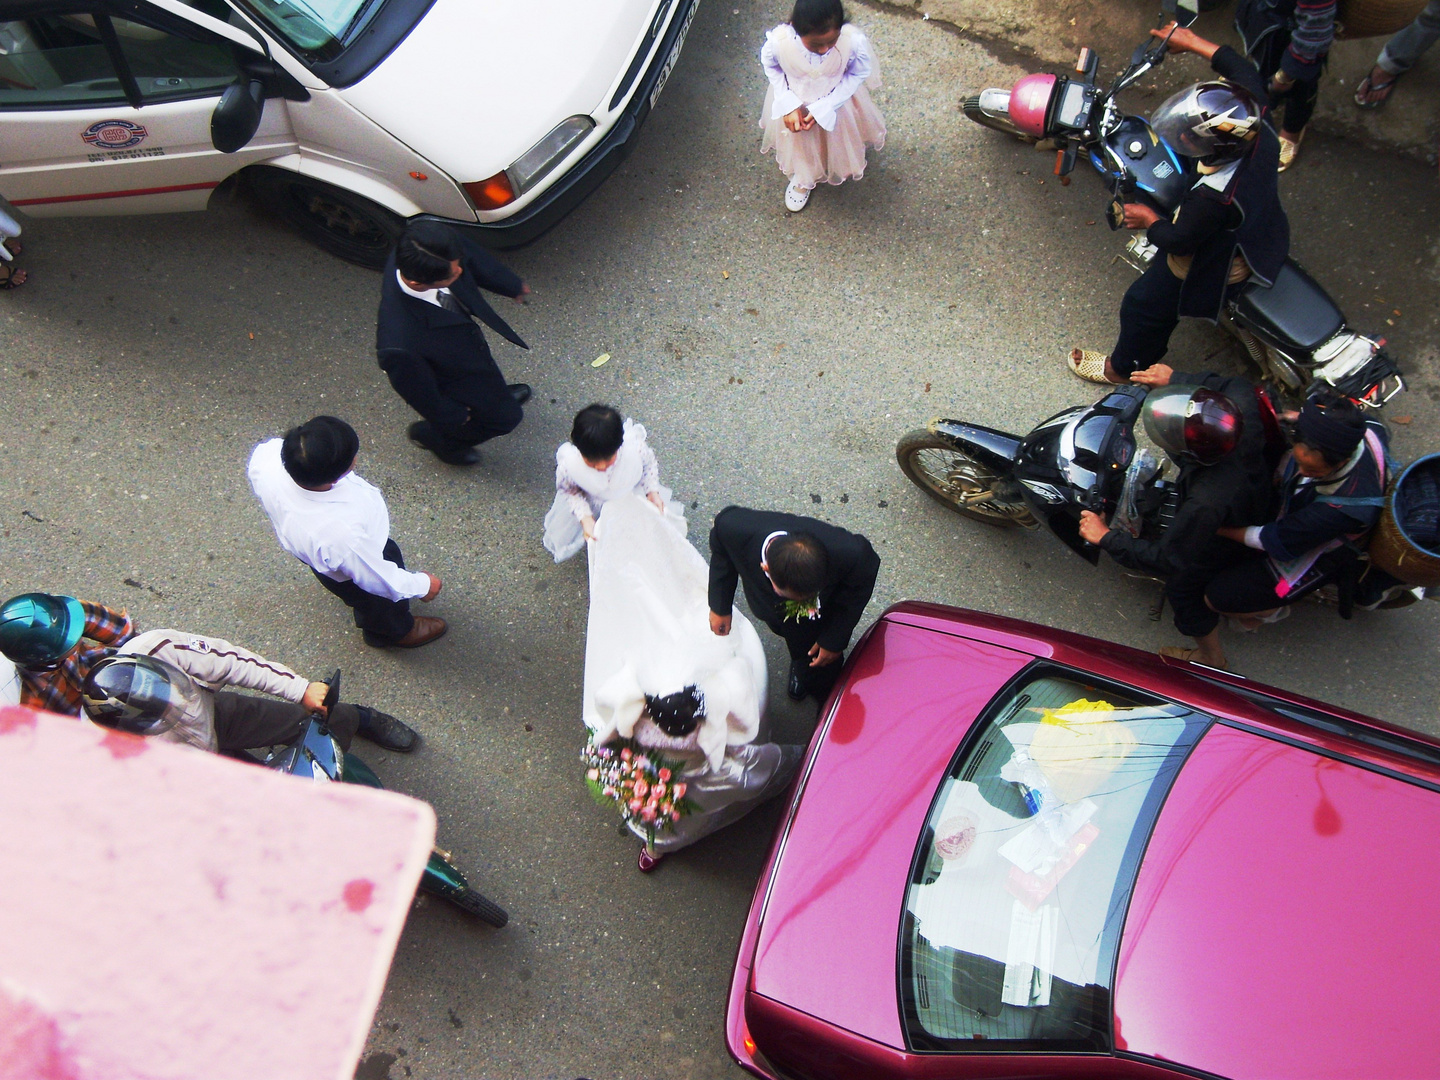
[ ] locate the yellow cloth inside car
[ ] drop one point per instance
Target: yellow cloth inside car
(1078, 746)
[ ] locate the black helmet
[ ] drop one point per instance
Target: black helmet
(138, 694)
(1213, 121)
(1187, 422)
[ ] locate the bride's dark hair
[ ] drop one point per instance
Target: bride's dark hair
(677, 714)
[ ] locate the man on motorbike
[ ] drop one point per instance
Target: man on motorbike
(54, 641)
(1230, 228)
(1332, 486)
(182, 677)
(1210, 425)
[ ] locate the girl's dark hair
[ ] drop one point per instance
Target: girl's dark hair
(817, 16)
(798, 563)
(1332, 425)
(677, 714)
(425, 250)
(319, 451)
(597, 432)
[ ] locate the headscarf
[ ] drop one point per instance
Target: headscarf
(1320, 431)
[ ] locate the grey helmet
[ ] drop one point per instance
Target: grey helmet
(1192, 422)
(138, 694)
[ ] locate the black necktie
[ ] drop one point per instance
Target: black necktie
(449, 303)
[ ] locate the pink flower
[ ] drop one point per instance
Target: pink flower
(625, 754)
(642, 762)
(659, 787)
(610, 793)
(664, 774)
(675, 815)
(647, 814)
(593, 774)
(635, 805)
(679, 791)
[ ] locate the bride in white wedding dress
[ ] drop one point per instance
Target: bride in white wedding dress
(649, 650)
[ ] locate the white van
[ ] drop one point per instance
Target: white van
(347, 117)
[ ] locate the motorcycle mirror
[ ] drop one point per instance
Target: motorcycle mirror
(332, 696)
(1183, 12)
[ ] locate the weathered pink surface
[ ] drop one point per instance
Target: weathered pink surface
(165, 913)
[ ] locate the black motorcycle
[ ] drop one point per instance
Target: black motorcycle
(1293, 331)
(1084, 458)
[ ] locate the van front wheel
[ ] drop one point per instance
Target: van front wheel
(343, 223)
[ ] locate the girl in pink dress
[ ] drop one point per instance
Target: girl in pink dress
(818, 114)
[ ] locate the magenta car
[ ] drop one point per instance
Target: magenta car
(1018, 852)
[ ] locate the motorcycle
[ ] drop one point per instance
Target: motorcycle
(1082, 458)
(1293, 331)
(316, 756)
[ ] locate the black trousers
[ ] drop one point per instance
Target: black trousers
(799, 637)
(243, 722)
(1299, 101)
(1148, 316)
(1250, 586)
(388, 620)
(488, 419)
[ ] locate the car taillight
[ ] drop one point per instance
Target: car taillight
(491, 194)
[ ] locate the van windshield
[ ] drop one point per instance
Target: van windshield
(1024, 870)
(318, 28)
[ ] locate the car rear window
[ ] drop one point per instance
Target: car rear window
(1021, 878)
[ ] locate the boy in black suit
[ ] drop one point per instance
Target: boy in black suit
(806, 580)
(428, 342)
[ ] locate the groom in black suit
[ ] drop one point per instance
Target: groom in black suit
(806, 580)
(429, 344)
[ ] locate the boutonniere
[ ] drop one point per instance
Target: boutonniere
(800, 609)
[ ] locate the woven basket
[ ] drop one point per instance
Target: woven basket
(1394, 552)
(1371, 18)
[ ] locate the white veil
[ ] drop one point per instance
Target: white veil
(649, 633)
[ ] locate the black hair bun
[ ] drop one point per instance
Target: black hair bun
(677, 714)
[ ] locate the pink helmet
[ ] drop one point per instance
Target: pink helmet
(1029, 101)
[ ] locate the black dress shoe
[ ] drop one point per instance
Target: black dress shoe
(385, 731)
(422, 435)
(796, 688)
(520, 392)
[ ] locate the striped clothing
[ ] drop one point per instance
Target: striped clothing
(1310, 39)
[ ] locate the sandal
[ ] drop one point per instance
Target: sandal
(1089, 364)
(13, 278)
(9, 244)
(1369, 86)
(1289, 150)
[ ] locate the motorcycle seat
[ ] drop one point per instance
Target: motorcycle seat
(1295, 310)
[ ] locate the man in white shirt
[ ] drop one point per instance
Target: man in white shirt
(338, 525)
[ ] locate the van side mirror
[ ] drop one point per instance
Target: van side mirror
(237, 115)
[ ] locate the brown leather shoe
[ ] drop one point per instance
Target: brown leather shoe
(426, 629)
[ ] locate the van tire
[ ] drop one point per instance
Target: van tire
(347, 225)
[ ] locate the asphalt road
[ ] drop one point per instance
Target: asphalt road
(775, 360)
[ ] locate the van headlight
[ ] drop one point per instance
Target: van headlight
(530, 167)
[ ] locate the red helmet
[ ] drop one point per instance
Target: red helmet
(1029, 100)
(1213, 121)
(1187, 422)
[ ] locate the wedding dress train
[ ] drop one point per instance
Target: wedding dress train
(649, 633)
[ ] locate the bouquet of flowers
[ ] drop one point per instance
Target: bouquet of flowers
(640, 782)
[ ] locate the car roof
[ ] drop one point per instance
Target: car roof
(842, 870)
(1281, 924)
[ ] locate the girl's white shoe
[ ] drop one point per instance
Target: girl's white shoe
(796, 198)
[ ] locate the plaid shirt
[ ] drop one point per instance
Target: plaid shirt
(59, 688)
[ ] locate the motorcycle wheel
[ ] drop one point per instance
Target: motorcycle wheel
(956, 480)
(485, 910)
(971, 108)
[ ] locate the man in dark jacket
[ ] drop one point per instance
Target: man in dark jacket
(1228, 232)
(806, 580)
(1217, 488)
(430, 346)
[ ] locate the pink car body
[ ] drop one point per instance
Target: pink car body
(1275, 919)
